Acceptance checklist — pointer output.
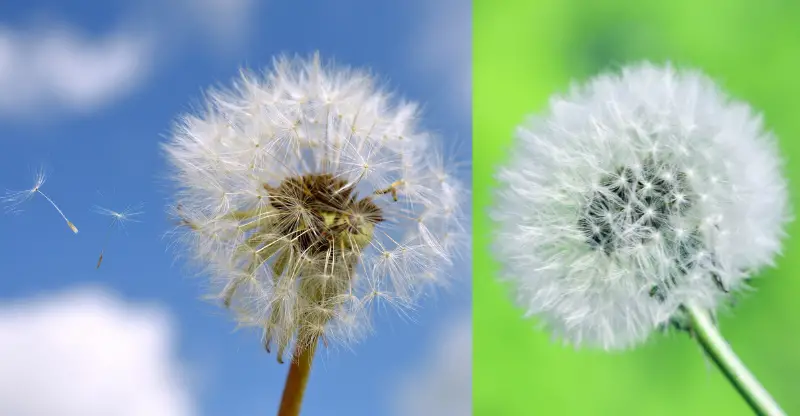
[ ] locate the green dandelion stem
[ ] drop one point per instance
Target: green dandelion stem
(726, 360)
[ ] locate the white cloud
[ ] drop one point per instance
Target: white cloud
(224, 22)
(86, 353)
(442, 384)
(59, 67)
(441, 47)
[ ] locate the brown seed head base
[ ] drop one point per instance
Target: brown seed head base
(325, 218)
(323, 226)
(333, 213)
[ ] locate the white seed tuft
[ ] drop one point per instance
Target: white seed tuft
(310, 194)
(636, 193)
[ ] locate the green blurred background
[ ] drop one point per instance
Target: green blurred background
(523, 51)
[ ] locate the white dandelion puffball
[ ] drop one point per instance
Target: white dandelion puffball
(634, 194)
(311, 194)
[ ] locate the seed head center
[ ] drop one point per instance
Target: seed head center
(323, 212)
(629, 207)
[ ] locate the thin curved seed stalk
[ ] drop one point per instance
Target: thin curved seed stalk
(715, 346)
(69, 223)
(16, 198)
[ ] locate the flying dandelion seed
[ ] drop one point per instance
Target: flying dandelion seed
(14, 199)
(310, 195)
(118, 220)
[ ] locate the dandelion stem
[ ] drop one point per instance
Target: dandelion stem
(296, 380)
(726, 360)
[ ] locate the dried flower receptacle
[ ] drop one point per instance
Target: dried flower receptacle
(314, 228)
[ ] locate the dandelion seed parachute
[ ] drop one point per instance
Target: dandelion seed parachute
(310, 194)
(633, 194)
(14, 199)
(118, 219)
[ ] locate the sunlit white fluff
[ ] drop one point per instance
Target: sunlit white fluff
(633, 194)
(300, 268)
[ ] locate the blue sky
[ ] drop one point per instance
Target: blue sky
(88, 89)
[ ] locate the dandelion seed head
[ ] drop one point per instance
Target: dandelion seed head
(310, 194)
(634, 194)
